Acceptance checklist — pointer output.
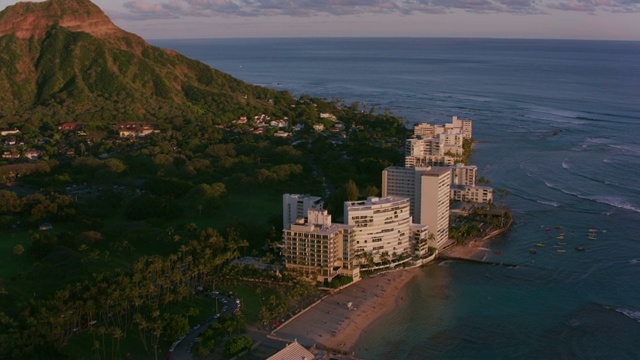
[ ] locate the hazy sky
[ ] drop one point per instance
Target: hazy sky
(568, 19)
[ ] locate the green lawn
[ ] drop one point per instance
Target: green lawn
(257, 207)
(12, 263)
(250, 299)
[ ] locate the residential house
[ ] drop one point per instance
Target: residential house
(9, 132)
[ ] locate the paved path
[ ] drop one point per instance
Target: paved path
(183, 350)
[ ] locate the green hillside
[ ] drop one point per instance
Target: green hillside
(76, 75)
(132, 178)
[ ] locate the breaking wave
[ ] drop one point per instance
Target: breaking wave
(629, 312)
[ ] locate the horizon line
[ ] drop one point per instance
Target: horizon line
(389, 37)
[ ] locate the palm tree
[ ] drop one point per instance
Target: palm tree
(117, 334)
(102, 331)
(384, 257)
(18, 250)
(96, 348)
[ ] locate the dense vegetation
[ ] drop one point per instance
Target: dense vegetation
(106, 239)
(137, 229)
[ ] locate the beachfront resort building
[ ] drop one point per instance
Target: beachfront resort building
(444, 149)
(429, 191)
(464, 175)
(437, 145)
(476, 194)
(315, 245)
(382, 227)
(378, 233)
(459, 126)
(464, 185)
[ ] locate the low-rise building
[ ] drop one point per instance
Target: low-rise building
(281, 134)
(478, 194)
(9, 132)
(71, 126)
(130, 129)
(10, 155)
(32, 154)
(463, 185)
(293, 351)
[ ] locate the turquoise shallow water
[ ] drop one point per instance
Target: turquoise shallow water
(557, 125)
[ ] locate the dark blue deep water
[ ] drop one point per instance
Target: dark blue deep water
(558, 126)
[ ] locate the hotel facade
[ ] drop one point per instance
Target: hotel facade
(382, 226)
(379, 233)
(316, 246)
(429, 191)
(381, 230)
(464, 185)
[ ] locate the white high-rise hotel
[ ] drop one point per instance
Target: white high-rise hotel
(382, 225)
(429, 190)
(377, 228)
(382, 228)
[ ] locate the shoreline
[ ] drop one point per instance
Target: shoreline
(475, 249)
(333, 325)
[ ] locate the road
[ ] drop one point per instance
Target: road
(183, 350)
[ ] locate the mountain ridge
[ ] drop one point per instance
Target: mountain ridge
(67, 59)
(31, 19)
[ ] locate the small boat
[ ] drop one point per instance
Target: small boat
(580, 248)
(558, 227)
(498, 252)
(540, 244)
(591, 236)
(561, 250)
(533, 251)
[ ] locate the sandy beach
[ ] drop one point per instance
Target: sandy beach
(335, 324)
(474, 250)
(338, 320)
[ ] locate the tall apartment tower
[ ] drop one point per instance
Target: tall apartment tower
(296, 206)
(381, 225)
(429, 189)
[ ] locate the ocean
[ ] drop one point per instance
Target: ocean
(557, 125)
